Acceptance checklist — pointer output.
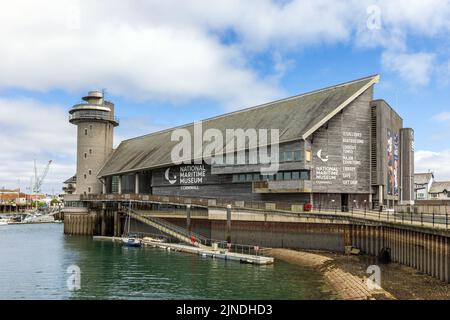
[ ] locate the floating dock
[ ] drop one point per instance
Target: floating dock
(204, 252)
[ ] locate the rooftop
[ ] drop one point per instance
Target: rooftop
(440, 187)
(297, 118)
(423, 178)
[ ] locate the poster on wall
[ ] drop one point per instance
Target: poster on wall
(393, 140)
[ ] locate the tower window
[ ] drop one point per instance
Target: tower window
(85, 176)
(90, 127)
(85, 155)
(90, 172)
(86, 132)
(89, 189)
(90, 151)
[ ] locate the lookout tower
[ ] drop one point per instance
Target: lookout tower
(96, 122)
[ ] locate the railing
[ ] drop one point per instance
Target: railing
(437, 220)
(224, 245)
(79, 115)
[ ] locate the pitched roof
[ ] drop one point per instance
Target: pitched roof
(71, 180)
(423, 178)
(296, 118)
(440, 187)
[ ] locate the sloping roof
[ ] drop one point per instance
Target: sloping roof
(439, 187)
(296, 118)
(71, 180)
(422, 178)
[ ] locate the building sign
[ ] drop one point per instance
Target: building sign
(350, 162)
(341, 166)
(188, 176)
(392, 162)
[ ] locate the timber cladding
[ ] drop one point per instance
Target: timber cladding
(341, 150)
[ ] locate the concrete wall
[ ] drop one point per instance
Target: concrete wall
(97, 145)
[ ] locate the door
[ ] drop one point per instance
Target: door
(344, 202)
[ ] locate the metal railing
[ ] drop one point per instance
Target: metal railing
(362, 211)
(223, 245)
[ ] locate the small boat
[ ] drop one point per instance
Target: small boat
(4, 222)
(128, 239)
(131, 242)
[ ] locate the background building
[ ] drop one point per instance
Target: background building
(422, 185)
(440, 190)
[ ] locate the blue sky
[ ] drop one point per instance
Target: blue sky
(172, 62)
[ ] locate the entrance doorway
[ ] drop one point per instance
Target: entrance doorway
(344, 202)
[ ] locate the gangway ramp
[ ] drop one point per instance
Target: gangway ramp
(171, 229)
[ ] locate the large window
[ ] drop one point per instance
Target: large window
(288, 156)
(280, 176)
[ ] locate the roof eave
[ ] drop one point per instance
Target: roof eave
(374, 80)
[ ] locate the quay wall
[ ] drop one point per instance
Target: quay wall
(425, 249)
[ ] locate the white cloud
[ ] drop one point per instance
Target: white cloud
(33, 130)
(438, 162)
(442, 117)
(414, 68)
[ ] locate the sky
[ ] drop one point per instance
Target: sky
(166, 63)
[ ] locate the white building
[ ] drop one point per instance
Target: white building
(422, 185)
(440, 191)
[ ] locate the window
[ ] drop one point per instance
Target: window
(280, 176)
(89, 189)
(90, 172)
(85, 132)
(308, 155)
(287, 175)
(85, 177)
(270, 177)
(242, 178)
(304, 175)
(281, 156)
(235, 178)
(85, 155)
(90, 127)
(297, 155)
(256, 177)
(90, 151)
(288, 156)
(249, 177)
(295, 175)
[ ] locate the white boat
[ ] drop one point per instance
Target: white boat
(128, 240)
(131, 242)
(4, 222)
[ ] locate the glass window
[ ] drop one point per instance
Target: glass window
(281, 156)
(280, 176)
(249, 177)
(287, 175)
(304, 175)
(85, 155)
(308, 156)
(297, 155)
(90, 172)
(85, 132)
(295, 175)
(288, 156)
(270, 177)
(235, 178)
(256, 177)
(242, 177)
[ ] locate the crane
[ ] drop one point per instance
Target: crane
(39, 180)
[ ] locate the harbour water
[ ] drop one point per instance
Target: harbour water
(34, 261)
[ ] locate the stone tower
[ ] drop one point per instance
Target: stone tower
(96, 122)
